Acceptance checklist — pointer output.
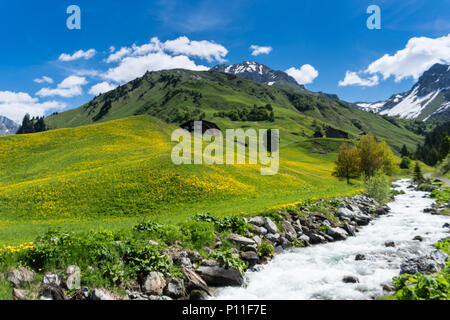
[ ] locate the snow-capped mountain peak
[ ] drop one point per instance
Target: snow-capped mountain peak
(428, 99)
(7, 126)
(257, 72)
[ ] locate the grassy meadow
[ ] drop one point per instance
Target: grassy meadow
(114, 174)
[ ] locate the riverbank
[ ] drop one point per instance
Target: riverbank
(297, 253)
(361, 267)
(165, 262)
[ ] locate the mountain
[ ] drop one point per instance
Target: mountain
(428, 99)
(258, 72)
(7, 126)
(227, 100)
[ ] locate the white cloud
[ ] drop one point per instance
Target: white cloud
(86, 72)
(419, 54)
(133, 67)
(44, 79)
(353, 79)
(102, 87)
(80, 54)
(118, 55)
(204, 49)
(68, 88)
(15, 105)
(257, 50)
(305, 75)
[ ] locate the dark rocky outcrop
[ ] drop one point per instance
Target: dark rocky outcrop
(220, 276)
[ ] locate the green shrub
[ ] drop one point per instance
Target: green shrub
(298, 243)
(405, 163)
(426, 187)
(266, 250)
(378, 187)
(441, 195)
(148, 226)
(170, 234)
(140, 256)
(422, 287)
(227, 224)
(229, 258)
(5, 290)
(396, 192)
(199, 233)
(444, 245)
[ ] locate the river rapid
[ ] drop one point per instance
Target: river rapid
(316, 272)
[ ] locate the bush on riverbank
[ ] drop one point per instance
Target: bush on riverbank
(378, 187)
(425, 287)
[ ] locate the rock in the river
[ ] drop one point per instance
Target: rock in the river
(362, 219)
(316, 238)
(427, 264)
(360, 257)
(388, 287)
(350, 279)
(337, 233)
(446, 225)
(240, 239)
(278, 249)
(389, 244)
(250, 256)
(285, 243)
(350, 229)
(381, 211)
(305, 239)
(418, 238)
(195, 282)
(73, 278)
(20, 277)
(220, 276)
(270, 225)
(175, 288)
(154, 283)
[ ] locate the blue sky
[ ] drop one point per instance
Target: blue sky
(329, 36)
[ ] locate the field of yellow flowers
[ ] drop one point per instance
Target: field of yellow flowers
(113, 174)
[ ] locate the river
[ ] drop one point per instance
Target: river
(316, 272)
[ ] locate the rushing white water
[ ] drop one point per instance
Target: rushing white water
(316, 272)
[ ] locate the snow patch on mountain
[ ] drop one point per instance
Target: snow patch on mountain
(7, 126)
(428, 98)
(257, 72)
(411, 106)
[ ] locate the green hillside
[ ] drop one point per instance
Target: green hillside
(179, 95)
(107, 164)
(115, 173)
